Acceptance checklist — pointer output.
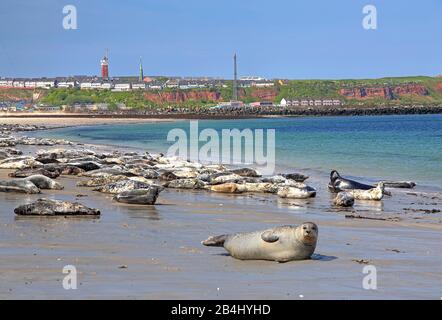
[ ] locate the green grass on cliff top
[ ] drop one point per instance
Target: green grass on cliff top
(293, 89)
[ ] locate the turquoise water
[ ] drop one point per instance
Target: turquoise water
(386, 147)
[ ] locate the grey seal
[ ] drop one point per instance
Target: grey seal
(185, 184)
(31, 172)
(139, 196)
(47, 207)
(344, 199)
(338, 183)
(296, 192)
(44, 182)
(18, 185)
(279, 244)
(371, 194)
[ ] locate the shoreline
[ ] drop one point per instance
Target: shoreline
(235, 113)
(282, 168)
(154, 252)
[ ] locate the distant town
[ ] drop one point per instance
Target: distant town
(103, 93)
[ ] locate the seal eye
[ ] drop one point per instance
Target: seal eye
(305, 228)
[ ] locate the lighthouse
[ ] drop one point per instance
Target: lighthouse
(105, 67)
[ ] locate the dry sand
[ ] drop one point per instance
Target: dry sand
(63, 121)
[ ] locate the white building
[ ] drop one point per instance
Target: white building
(106, 85)
(67, 84)
(18, 84)
(283, 102)
(122, 87)
(304, 103)
(30, 84)
(96, 85)
(138, 86)
(85, 85)
(262, 84)
(45, 84)
(251, 78)
(6, 83)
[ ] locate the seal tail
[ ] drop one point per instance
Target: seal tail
(216, 241)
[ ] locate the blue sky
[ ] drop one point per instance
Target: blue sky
(279, 38)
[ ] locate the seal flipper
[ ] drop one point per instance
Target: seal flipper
(216, 241)
(269, 236)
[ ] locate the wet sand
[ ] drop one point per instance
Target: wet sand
(154, 252)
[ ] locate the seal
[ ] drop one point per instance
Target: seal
(139, 196)
(21, 162)
(399, 184)
(47, 207)
(371, 194)
(62, 169)
(298, 177)
(224, 177)
(344, 199)
(122, 186)
(338, 183)
(19, 185)
(185, 184)
(246, 172)
(100, 181)
(228, 187)
(44, 182)
(279, 244)
(86, 165)
(298, 192)
(31, 172)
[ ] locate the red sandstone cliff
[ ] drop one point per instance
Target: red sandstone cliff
(182, 96)
(388, 93)
(263, 94)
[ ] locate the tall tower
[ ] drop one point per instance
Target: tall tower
(105, 66)
(235, 81)
(141, 77)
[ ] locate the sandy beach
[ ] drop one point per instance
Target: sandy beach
(44, 120)
(154, 252)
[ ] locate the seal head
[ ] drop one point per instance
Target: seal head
(307, 233)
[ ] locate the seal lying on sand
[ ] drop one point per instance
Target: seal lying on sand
(372, 194)
(19, 185)
(44, 182)
(337, 183)
(229, 187)
(19, 163)
(139, 196)
(302, 192)
(63, 169)
(298, 177)
(122, 186)
(46, 207)
(344, 199)
(246, 172)
(185, 184)
(31, 172)
(280, 244)
(399, 184)
(100, 181)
